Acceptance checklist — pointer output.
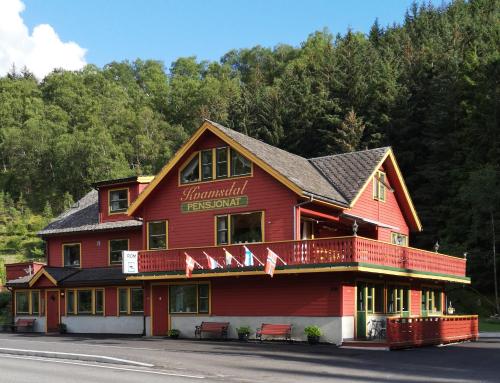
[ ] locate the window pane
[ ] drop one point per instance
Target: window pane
(203, 305)
(123, 301)
(99, 301)
(136, 296)
(391, 299)
(221, 167)
(116, 246)
(222, 230)
(84, 302)
(118, 200)
(22, 303)
(246, 228)
(379, 298)
(191, 173)
(183, 299)
(406, 300)
(206, 164)
(35, 302)
(70, 298)
(72, 255)
(361, 297)
(157, 235)
(240, 166)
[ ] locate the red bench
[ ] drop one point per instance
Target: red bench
(28, 324)
(275, 330)
(212, 327)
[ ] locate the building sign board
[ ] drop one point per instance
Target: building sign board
(130, 263)
(213, 204)
(195, 199)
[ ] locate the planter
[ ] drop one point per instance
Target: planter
(243, 336)
(313, 339)
(173, 334)
(62, 328)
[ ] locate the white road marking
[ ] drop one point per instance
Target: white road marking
(102, 366)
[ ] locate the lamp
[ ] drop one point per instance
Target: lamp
(355, 228)
(436, 246)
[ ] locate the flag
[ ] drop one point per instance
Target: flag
(189, 265)
(229, 258)
(212, 263)
(248, 257)
(272, 258)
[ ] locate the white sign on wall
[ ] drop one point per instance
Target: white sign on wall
(130, 262)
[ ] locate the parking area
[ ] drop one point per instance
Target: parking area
(281, 362)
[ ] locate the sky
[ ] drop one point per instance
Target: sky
(47, 34)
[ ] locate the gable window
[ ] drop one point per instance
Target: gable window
(189, 298)
(157, 235)
(116, 247)
(118, 201)
(239, 228)
(214, 164)
(130, 300)
(71, 253)
(399, 239)
(379, 182)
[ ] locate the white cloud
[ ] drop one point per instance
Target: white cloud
(41, 51)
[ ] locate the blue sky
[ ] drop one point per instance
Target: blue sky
(165, 29)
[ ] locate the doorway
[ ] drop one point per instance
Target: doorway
(52, 310)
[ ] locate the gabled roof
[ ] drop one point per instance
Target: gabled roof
(70, 276)
(84, 216)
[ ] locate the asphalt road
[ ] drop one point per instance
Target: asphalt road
(254, 362)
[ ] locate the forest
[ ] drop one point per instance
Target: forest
(429, 87)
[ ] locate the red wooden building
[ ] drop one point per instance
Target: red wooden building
(339, 223)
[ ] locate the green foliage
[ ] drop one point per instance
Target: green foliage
(312, 331)
(243, 330)
(428, 87)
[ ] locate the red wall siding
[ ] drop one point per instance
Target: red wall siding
(297, 295)
(264, 193)
(92, 254)
(415, 301)
(110, 295)
(348, 299)
(17, 270)
(388, 212)
(43, 281)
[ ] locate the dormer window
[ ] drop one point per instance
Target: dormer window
(399, 239)
(118, 201)
(214, 164)
(379, 182)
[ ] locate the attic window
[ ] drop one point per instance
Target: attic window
(399, 239)
(118, 200)
(379, 182)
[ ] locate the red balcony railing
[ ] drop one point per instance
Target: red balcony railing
(421, 331)
(311, 253)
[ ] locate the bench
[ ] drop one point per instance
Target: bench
(275, 330)
(212, 327)
(27, 324)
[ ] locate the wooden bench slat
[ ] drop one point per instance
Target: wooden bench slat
(275, 329)
(212, 327)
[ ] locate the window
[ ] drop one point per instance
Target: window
(71, 253)
(239, 228)
(379, 306)
(431, 301)
(116, 246)
(240, 166)
(217, 163)
(22, 303)
(398, 299)
(130, 300)
(157, 235)
(371, 297)
(399, 239)
(191, 172)
(35, 302)
(379, 186)
(118, 201)
(189, 298)
(85, 302)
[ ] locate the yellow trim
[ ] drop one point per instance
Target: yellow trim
(262, 223)
(145, 179)
(394, 234)
(109, 200)
(80, 253)
(391, 156)
(30, 302)
(37, 276)
(75, 290)
(180, 153)
(378, 184)
(301, 271)
(197, 283)
(129, 300)
(166, 234)
(109, 249)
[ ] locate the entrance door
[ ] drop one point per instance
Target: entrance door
(159, 312)
(361, 309)
(52, 312)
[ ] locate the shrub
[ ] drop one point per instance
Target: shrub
(312, 331)
(243, 330)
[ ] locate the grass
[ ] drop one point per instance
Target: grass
(488, 325)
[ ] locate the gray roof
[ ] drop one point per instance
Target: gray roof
(295, 168)
(348, 172)
(84, 216)
(103, 275)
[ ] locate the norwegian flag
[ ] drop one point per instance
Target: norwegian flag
(190, 262)
(212, 263)
(272, 258)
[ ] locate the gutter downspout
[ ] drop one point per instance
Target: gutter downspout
(311, 199)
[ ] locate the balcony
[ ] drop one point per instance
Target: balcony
(358, 253)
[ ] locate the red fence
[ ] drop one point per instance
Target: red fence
(421, 331)
(317, 252)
